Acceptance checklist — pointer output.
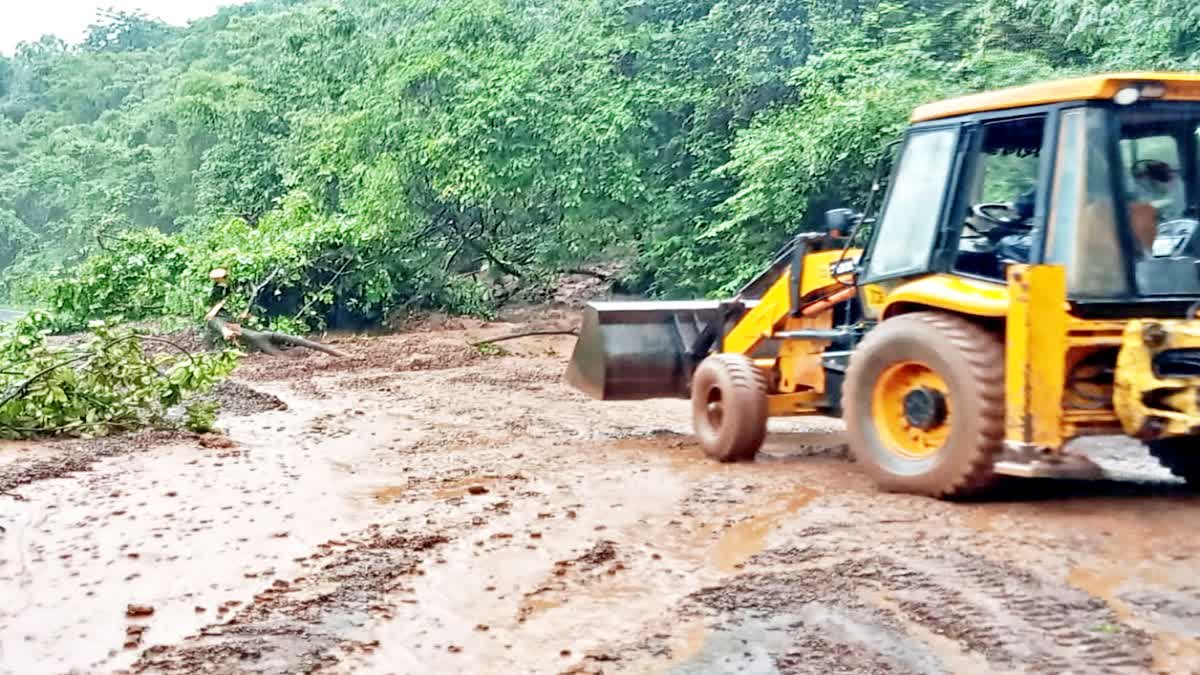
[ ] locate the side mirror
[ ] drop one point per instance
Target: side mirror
(839, 221)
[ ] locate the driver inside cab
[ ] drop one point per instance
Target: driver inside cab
(1157, 196)
(1015, 246)
(1159, 185)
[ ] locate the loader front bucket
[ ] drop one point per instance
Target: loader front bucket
(632, 351)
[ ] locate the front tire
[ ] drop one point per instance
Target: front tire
(729, 407)
(1181, 456)
(924, 405)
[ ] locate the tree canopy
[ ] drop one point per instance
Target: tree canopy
(343, 159)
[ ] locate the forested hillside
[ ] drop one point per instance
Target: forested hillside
(348, 158)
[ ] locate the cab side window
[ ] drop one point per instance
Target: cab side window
(1000, 197)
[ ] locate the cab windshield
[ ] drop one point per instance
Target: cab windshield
(1158, 150)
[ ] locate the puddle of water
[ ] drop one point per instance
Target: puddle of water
(1101, 585)
(743, 540)
(540, 603)
(389, 495)
(392, 494)
(1172, 652)
(691, 643)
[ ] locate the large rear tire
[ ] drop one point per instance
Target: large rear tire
(924, 405)
(729, 407)
(1181, 456)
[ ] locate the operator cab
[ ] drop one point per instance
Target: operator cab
(1100, 175)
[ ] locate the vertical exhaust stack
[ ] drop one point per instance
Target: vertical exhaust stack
(632, 351)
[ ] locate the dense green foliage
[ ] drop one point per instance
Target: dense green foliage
(110, 382)
(345, 159)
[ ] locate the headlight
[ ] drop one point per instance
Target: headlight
(1127, 96)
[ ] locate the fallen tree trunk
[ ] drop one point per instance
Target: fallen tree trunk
(267, 342)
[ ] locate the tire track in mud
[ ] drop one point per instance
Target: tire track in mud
(839, 602)
(308, 623)
(600, 560)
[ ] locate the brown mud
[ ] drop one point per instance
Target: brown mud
(429, 507)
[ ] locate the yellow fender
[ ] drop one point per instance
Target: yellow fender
(969, 297)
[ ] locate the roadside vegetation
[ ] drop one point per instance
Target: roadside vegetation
(345, 161)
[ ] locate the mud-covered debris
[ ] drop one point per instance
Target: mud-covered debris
(477, 490)
(216, 442)
(134, 611)
(237, 399)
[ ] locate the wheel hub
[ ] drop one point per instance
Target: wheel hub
(925, 408)
(911, 409)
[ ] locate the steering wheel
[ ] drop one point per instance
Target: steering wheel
(996, 214)
(995, 220)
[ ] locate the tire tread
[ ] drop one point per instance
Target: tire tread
(984, 356)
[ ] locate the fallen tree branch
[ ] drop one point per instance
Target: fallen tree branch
(587, 273)
(338, 275)
(258, 290)
(269, 342)
(22, 387)
(169, 343)
(531, 333)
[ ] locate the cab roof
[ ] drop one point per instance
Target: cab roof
(1179, 86)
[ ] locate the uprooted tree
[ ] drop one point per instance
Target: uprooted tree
(268, 342)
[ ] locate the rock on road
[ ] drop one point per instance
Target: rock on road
(424, 507)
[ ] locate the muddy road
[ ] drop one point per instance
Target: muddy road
(428, 508)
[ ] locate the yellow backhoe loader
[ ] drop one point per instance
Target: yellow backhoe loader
(1032, 276)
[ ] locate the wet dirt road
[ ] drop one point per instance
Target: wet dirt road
(425, 508)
